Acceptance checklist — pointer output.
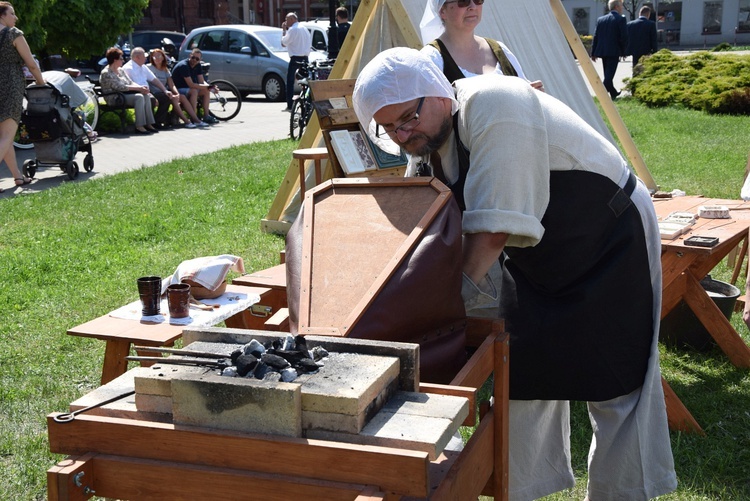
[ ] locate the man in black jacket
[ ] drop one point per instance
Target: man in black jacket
(610, 41)
(641, 36)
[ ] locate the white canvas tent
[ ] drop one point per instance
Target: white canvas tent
(539, 32)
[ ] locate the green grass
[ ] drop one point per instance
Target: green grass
(72, 253)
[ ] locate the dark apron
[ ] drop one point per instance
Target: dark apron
(578, 305)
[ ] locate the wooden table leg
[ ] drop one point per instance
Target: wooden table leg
(301, 179)
(678, 417)
(71, 478)
(715, 322)
(115, 364)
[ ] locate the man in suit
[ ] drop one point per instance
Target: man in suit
(610, 41)
(641, 36)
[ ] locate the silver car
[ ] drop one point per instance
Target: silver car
(250, 56)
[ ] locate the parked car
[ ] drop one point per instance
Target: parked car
(318, 28)
(151, 39)
(250, 56)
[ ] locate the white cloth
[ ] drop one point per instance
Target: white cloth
(138, 73)
(229, 303)
(298, 41)
(208, 271)
(437, 58)
(378, 85)
(431, 26)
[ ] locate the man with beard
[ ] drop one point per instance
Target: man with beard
(579, 244)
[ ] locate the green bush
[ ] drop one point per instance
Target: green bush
(710, 82)
(110, 122)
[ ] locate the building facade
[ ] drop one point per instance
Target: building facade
(679, 23)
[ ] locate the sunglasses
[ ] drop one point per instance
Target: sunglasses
(461, 4)
(195, 58)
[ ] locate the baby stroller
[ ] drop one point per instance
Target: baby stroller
(56, 130)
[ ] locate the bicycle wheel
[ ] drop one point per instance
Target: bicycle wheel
(91, 107)
(297, 120)
(22, 140)
(225, 101)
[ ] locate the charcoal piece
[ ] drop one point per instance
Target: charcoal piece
(274, 361)
(288, 343)
(230, 371)
(318, 353)
(306, 366)
(235, 355)
(288, 375)
(262, 369)
(276, 344)
(254, 348)
(272, 377)
(293, 357)
(300, 343)
(245, 364)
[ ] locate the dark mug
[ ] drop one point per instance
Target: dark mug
(149, 288)
(178, 300)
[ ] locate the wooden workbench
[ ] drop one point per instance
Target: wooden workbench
(136, 458)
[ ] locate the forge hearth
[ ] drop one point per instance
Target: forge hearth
(364, 393)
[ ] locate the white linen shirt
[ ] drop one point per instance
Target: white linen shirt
(297, 40)
(138, 73)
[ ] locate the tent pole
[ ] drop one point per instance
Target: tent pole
(604, 99)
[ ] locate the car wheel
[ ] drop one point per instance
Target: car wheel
(273, 88)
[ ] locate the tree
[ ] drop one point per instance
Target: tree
(30, 16)
(80, 28)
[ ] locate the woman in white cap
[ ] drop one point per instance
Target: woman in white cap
(449, 25)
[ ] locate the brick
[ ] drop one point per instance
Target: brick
(244, 404)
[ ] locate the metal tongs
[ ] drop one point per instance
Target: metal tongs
(194, 358)
(70, 416)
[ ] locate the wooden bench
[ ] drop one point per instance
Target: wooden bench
(119, 107)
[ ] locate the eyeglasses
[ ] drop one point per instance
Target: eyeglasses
(461, 4)
(195, 58)
(407, 126)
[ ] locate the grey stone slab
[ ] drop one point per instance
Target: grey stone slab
(424, 422)
(238, 404)
(156, 380)
(348, 383)
(408, 353)
(154, 403)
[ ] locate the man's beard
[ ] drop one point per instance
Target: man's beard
(430, 143)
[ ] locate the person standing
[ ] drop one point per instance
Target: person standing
(610, 41)
(14, 54)
(581, 285)
(456, 50)
(343, 25)
(298, 42)
(641, 36)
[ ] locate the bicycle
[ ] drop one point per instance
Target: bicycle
(90, 110)
(302, 107)
(225, 99)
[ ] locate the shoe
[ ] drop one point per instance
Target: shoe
(202, 124)
(151, 128)
(190, 125)
(210, 120)
(288, 109)
(23, 181)
(142, 131)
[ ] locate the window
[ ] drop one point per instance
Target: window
(712, 17)
(743, 21)
(581, 20)
(206, 9)
(168, 9)
(212, 40)
(318, 40)
(237, 40)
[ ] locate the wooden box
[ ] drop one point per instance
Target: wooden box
(340, 116)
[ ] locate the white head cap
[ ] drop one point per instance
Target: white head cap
(431, 25)
(397, 75)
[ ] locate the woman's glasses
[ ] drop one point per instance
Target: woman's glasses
(465, 3)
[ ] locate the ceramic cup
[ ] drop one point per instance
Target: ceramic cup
(149, 288)
(178, 299)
